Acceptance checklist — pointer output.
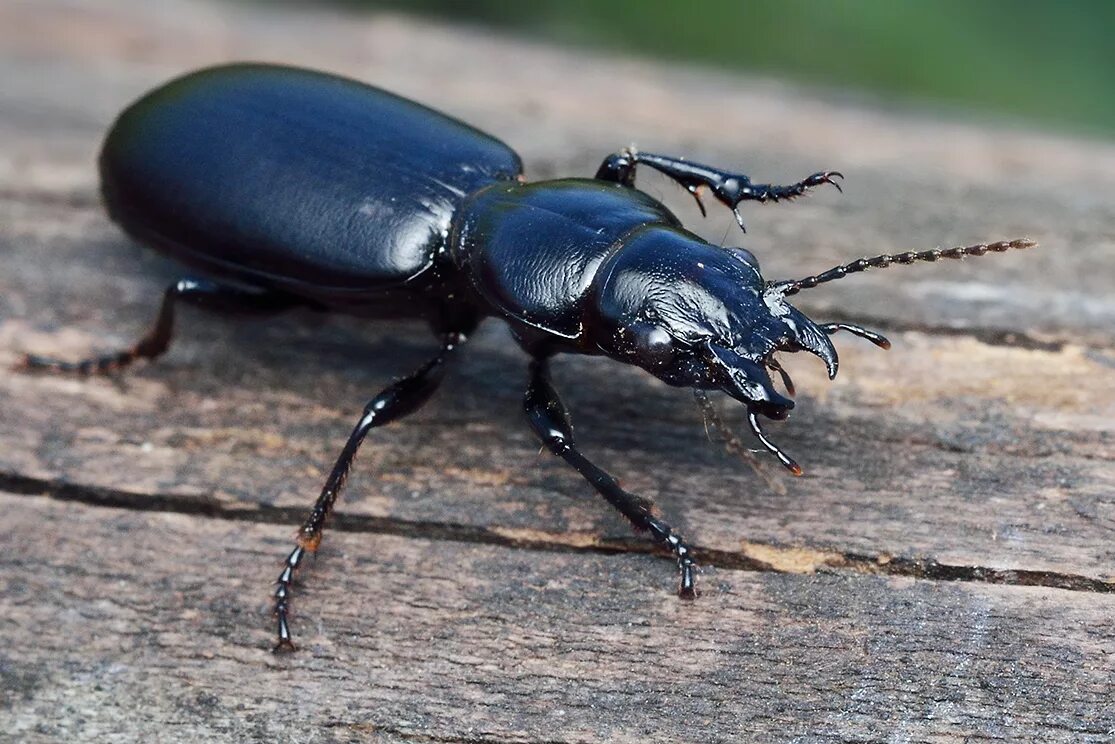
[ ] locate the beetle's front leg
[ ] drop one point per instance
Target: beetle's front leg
(729, 188)
(402, 398)
(550, 421)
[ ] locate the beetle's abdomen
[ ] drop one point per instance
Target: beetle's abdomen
(532, 250)
(293, 178)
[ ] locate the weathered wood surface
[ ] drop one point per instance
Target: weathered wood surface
(480, 599)
(430, 641)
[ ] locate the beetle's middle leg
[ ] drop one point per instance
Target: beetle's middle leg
(204, 293)
(400, 399)
(729, 188)
(550, 421)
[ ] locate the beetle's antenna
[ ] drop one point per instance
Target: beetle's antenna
(783, 458)
(881, 262)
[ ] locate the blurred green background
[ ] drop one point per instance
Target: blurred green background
(1049, 62)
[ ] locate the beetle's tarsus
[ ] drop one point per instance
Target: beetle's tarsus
(282, 599)
(767, 192)
(102, 365)
(664, 533)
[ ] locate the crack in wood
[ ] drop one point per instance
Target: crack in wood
(753, 556)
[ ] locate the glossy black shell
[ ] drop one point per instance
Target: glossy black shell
(532, 250)
(355, 200)
(297, 181)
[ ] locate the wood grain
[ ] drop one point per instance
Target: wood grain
(943, 570)
(425, 640)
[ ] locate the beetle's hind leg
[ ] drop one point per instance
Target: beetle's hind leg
(728, 188)
(550, 421)
(201, 292)
(402, 398)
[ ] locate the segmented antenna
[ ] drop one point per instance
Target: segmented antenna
(881, 262)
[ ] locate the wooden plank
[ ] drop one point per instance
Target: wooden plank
(1022, 484)
(107, 613)
(979, 450)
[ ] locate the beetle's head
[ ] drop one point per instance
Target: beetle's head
(701, 316)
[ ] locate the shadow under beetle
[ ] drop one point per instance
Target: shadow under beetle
(289, 187)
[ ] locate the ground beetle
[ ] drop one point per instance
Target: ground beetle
(288, 187)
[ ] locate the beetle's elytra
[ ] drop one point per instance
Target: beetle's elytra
(283, 187)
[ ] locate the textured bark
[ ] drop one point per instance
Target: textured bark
(944, 570)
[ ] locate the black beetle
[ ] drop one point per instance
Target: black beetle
(296, 188)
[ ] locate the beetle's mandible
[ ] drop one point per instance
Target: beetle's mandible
(285, 187)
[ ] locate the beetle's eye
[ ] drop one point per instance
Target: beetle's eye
(746, 256)
(652, 344)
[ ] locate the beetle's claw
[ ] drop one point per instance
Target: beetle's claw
(285, 644)
(825, 177)
(284, 647)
